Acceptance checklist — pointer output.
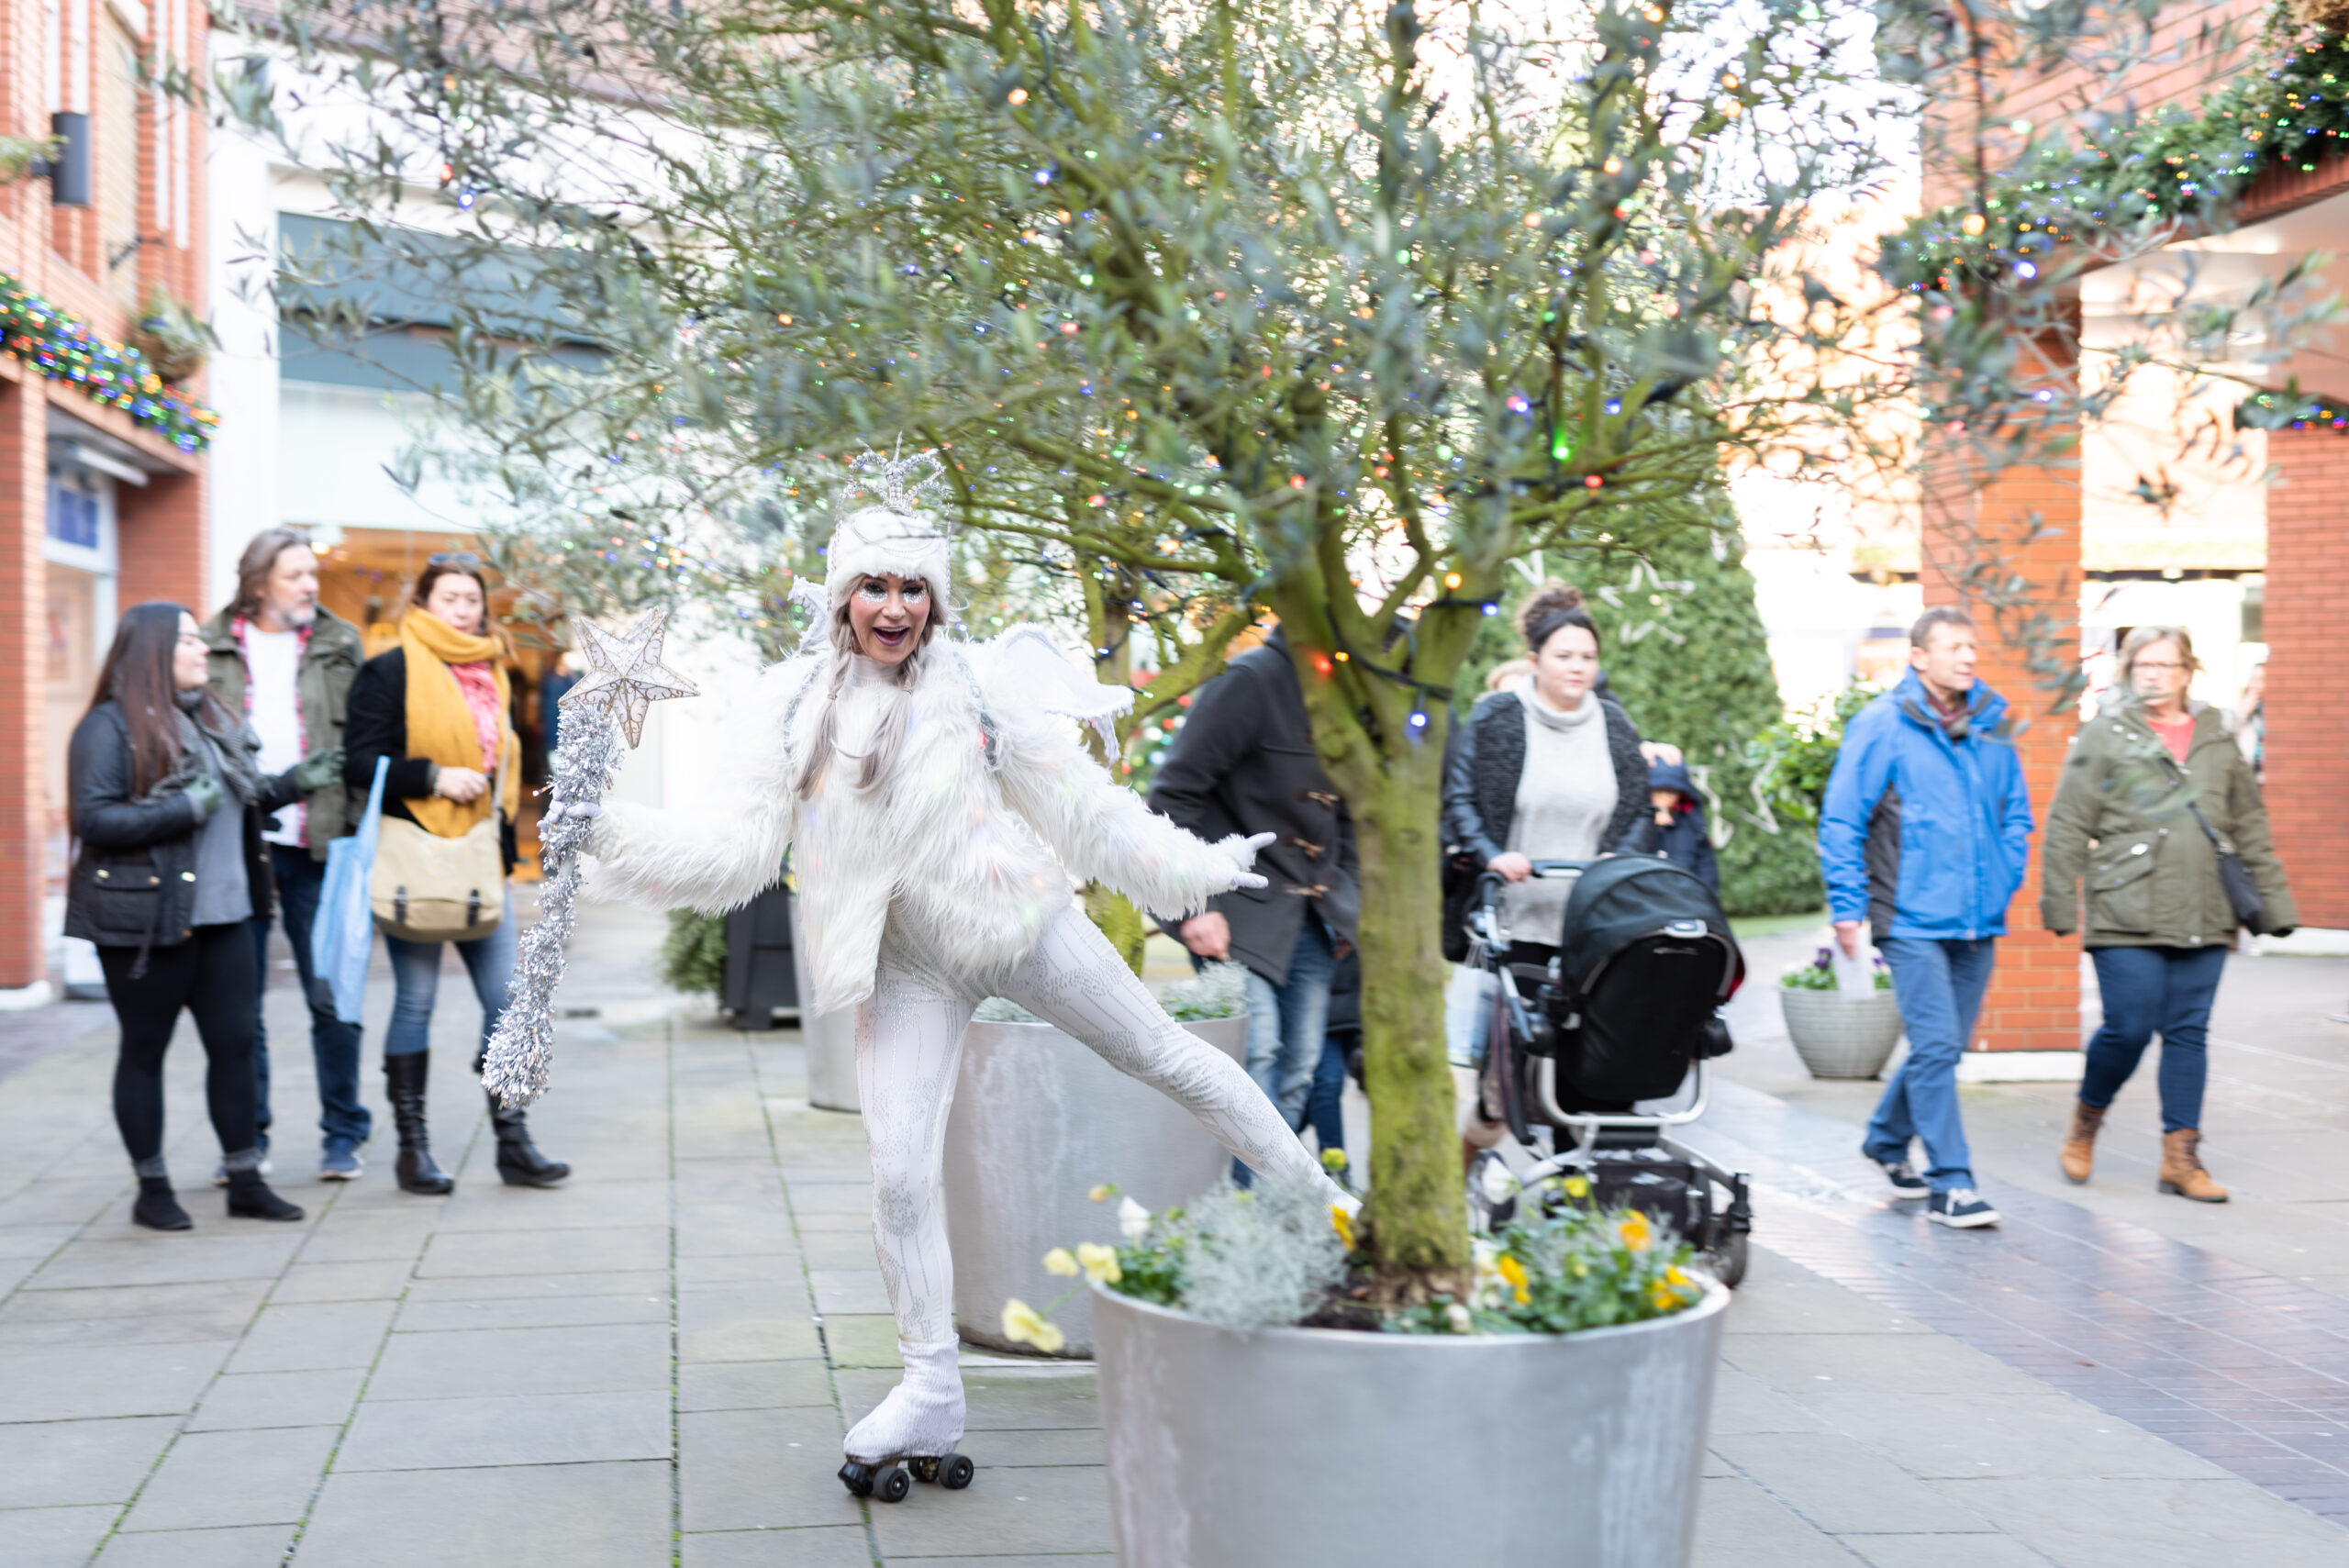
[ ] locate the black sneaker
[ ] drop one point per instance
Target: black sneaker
(1960, 1208)
(1905, 1181)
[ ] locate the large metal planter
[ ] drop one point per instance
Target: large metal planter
(1039, 1120)
(830, 1040)
(1309, 1447)
(1838, 1036)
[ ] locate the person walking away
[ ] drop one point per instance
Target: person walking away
(1245, 755)
(438, 706)
(285, 663)
(166, 800)
(1676, 827)
(2150, 792)
(1552, 770)
(1923, 837)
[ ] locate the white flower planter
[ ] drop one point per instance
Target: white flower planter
(1312, 1447)
(1039, 1120)
(1838, 1036)
(830, 1040)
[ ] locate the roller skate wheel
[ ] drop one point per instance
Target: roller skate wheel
(955, 1472)
(857, 1478)
(892, 1484)
(923, 1469)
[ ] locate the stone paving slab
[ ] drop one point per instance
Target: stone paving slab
(653, 1364)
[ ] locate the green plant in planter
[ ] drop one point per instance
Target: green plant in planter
(1275, 1255)
(693, 955)
(1818, 974)
(1217, 990)
(175, 338)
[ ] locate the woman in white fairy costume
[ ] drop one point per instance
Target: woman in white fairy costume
(938, 803)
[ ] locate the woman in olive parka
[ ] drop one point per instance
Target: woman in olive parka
(2147, 787)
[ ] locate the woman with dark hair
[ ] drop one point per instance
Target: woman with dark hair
(439, 708)
(167, 803)
(1552, 771)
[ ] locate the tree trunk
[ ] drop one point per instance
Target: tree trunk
(1417, 1210)
(1120, 921)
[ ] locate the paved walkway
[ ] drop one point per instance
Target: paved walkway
(649, 1365)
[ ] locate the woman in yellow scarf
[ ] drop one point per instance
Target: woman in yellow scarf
(438, 707)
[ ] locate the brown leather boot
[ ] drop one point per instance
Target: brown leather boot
(2182, 1171)
(2078, 1154)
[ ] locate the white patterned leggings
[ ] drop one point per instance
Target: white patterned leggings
(909, 1046)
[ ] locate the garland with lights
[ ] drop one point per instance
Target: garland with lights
(116, 374)
(2172, 167)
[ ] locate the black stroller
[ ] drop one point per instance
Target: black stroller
(1628, 1010)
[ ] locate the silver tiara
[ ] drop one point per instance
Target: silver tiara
(902, 484)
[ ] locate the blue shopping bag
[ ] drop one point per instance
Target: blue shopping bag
(343, 935)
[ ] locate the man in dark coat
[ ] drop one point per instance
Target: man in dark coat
(1245, 755)
(283, 663)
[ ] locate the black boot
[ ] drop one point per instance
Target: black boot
(404, 1080)
(157, 1208)
(250, 1199)
(519, 1163)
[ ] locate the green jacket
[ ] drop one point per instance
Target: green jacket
(2120, 822)
(330, 662)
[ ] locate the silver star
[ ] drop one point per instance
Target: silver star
(626, 672)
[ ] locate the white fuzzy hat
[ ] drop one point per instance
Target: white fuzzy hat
(892, 535)
(875, 542)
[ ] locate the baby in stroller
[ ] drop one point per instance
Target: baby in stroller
(1626, 1014)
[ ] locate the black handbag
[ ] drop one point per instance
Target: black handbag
(2242, 889)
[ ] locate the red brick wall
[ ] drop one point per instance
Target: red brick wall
(24, 660)
(2308, 736)
(2027, 521)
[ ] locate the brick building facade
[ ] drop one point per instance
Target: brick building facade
(98, 508)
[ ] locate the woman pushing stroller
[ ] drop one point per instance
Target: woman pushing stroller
(937, 803)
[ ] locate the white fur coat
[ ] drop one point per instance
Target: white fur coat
(971, 842)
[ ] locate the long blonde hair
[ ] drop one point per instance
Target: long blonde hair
(889, 735)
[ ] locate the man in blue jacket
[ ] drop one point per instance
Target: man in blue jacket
(1924, 835)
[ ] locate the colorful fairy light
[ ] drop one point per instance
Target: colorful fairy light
(61, 347)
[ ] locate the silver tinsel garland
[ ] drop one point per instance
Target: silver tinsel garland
(626, 675)
(521, 1052)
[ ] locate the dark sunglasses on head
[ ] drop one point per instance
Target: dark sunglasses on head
(454, 558)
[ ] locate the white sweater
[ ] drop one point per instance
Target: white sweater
(970, 857)
(1564, 798)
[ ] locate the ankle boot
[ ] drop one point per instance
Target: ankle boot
(2078, 1154)
(250, 1199)
(2182, 1172)
(157, 1209)
(404, 1081)
(519, 1162)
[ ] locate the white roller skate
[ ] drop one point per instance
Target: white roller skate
(910, 1435)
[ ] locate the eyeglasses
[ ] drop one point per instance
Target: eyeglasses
(465, 558)
(2155, 664)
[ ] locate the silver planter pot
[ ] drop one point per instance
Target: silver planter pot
(1580, 1451)
(830, 1038)
(1838, 1036)
(1039, 1120)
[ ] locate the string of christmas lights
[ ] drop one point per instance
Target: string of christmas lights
(60, 347)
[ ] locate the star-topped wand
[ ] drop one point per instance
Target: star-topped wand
(625, 676)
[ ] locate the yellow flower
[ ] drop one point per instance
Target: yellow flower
(1578, 1186)
(1342, 1223)
(1514, 1272)
(1635, 1231)
(1100, 1263)
(1103, 1191)
(1059, 1261)
(1665, 1292)
(1023, 1325)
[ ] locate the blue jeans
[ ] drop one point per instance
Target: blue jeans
(343, 1119)
(2148, 991)
(415, 976)
(1940, 985)
(1287, 1026)
(1325, 1102)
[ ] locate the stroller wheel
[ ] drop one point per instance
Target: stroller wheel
(1726, 1258)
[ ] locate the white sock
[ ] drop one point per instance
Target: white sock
(922, 1417)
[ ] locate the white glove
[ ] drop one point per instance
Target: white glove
(1244, 852)
(574, 810)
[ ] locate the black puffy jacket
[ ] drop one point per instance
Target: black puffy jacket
(134, 871)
